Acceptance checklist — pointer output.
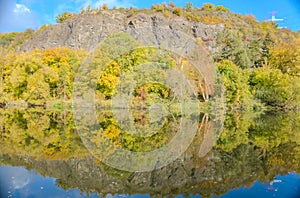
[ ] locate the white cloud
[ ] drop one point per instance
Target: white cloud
(16, 17)
(21, 9)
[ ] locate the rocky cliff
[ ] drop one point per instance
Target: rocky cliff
(85, 31)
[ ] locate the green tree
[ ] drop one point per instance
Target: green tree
(231, 46)
(272, 87)
(266, 45)
(235, 81)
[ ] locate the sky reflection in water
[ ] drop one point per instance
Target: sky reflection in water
(19, 182)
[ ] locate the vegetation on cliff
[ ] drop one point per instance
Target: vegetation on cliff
(258, 62)
(258, 65)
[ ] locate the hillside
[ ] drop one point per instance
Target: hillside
(232, 40)
(88, 30)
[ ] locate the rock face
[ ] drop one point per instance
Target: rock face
(86, 31)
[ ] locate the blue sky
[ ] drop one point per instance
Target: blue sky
(17, 15)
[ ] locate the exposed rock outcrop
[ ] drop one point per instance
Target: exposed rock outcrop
(87, 30)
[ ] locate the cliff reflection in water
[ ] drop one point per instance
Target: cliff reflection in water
(248, 148)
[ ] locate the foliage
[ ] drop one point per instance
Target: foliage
(41, 75)
(189, 6)
(104, 7)
(172, 4)
(235, 131)
(158, 7)
(248, 149)
(235, 81)
(9, 41)
(255, 62)
(275, 88)
(221, 8)
(242, 47)
(213, 20)
(207, 7)
(233, 47)
(177, 11)
(63, 17)
(167, 13)
(285, 57)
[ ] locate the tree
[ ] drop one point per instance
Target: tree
(235, 81)
(17, 83)
(38, 91)
(284, 56)
(189, 6)
(63, 17)
(232, 47)
(271, 86)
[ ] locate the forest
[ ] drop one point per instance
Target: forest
(258, 76)
(258, 64)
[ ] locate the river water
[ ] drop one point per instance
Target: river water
(43, 154)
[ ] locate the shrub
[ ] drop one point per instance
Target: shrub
(177, 11)
(82, 10)
(63, 17)
(159, 7)
(167, 13)
(208, 7)
(153, 7)
(88, 8)
(212, 20)
(172, 4)
(104, 7)
(189, 6)
(221, 8)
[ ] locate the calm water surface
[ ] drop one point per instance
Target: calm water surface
(42, 155)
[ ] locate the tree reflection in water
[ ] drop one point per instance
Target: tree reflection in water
(248, 148)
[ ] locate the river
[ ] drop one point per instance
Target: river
(44, 154)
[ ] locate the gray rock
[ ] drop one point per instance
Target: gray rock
(86, 31)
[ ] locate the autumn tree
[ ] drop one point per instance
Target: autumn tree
(235, 81)
(64, 16)
(272, 87)
(284, 56)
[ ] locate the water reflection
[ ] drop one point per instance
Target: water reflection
(250, 148)
(20, 182)
(38, 186)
